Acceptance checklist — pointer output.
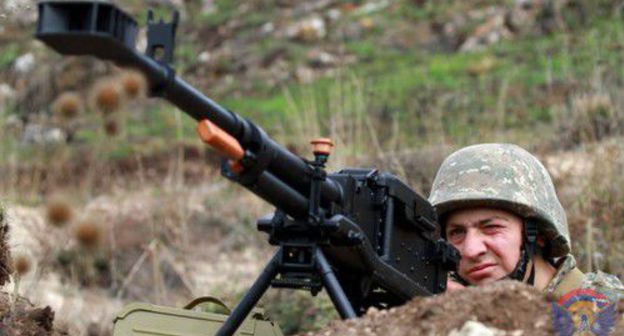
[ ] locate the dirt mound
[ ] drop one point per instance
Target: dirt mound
(6, 266)
(506, 306)
(21, 318)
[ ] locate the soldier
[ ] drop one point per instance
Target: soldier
(499, 208)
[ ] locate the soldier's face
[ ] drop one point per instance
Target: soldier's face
(489, 241)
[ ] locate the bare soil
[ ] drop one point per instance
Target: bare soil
(20, 318)
(507, 306)
(6, 266)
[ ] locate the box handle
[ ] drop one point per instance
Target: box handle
(207, 299)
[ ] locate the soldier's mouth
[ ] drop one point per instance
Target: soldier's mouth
(479, 268)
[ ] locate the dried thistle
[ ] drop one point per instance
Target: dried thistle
(87, 233)
(59, 212)
(67, 106)
(134, 84)
(111, 127)
(22, 265)
(107, 96)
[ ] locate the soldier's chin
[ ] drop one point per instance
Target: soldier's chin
(481, 279)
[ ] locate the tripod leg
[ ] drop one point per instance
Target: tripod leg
(335, 291)
(251, 298)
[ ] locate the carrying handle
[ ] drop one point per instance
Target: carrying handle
(207, 299)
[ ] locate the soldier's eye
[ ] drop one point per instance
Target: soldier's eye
(492, 227)
(455, 234)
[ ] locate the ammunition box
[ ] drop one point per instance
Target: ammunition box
(146, 319)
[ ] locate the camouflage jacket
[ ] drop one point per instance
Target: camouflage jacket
(569, 277)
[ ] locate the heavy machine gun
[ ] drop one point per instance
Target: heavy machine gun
(363, 235)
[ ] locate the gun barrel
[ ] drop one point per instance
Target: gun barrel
(109, 34)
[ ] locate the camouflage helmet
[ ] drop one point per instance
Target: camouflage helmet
(503, 176)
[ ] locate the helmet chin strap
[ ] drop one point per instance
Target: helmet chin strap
(529, 246)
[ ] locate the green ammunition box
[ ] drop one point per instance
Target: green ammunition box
(142, 319)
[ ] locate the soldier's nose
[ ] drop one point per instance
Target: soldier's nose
(473, 246)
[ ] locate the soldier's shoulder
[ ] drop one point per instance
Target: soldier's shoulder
(604, 283)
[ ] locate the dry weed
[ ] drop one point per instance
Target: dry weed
(88, 234)
(589, 118)
(59, 212)
(22, 265)
(107, 96)
(599, 208)
(483, 66)
(67, 106)
(111, 127)
(134, 84)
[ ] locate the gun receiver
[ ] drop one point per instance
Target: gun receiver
(363, 235)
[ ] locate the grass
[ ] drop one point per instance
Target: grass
(9, 54)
